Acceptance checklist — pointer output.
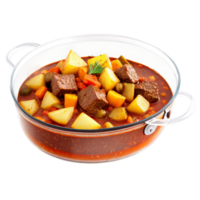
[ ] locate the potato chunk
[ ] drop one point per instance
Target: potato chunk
(30, 106)
(61, 116)
(139, 105)
(108, 79)
(83, 121)
(49, 100)
(102, 60)
(60, 64)
(115, 99)
(108, 125)
(128, 91)
(72, 63)
(118, 114)
(36, 82)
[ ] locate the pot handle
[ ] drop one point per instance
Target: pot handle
(12, 51)
(189, 111)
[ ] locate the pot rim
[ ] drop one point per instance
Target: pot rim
(103, 130)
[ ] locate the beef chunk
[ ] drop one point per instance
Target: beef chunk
(148, 90)
(91, 99)
(127, 73)
(63, 83)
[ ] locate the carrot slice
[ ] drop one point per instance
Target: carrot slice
(166, 88)
(152, 78)
(141, 79)
(78, 80)
(44, 71)
(40, 118)
(45, 112)
(82, 72)
(116, 64)
(164, 102)
(55, 70)
(70, 100)
(83, 87)
(110, 108)
(80, 85)
(91, 80)
(163, 94)
(150, 108)
(53, 109)
(129, 119)
(41, 92)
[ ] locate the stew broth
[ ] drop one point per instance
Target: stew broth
(142, 71)
(102, 147)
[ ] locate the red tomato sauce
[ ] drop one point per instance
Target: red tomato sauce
(117, 144)
(142, 71)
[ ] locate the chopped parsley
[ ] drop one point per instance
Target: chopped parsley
(96, 69)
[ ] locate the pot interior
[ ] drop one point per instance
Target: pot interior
(93, 45)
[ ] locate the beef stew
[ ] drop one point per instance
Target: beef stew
(96, 90)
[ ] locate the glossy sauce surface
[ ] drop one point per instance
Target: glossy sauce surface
(95, 148)
(142, 71)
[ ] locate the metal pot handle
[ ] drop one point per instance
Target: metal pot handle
(184, 116)
(12, 51)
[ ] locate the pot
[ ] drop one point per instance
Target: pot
(102, 144)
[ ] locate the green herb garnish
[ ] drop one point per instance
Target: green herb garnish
(96, 69)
